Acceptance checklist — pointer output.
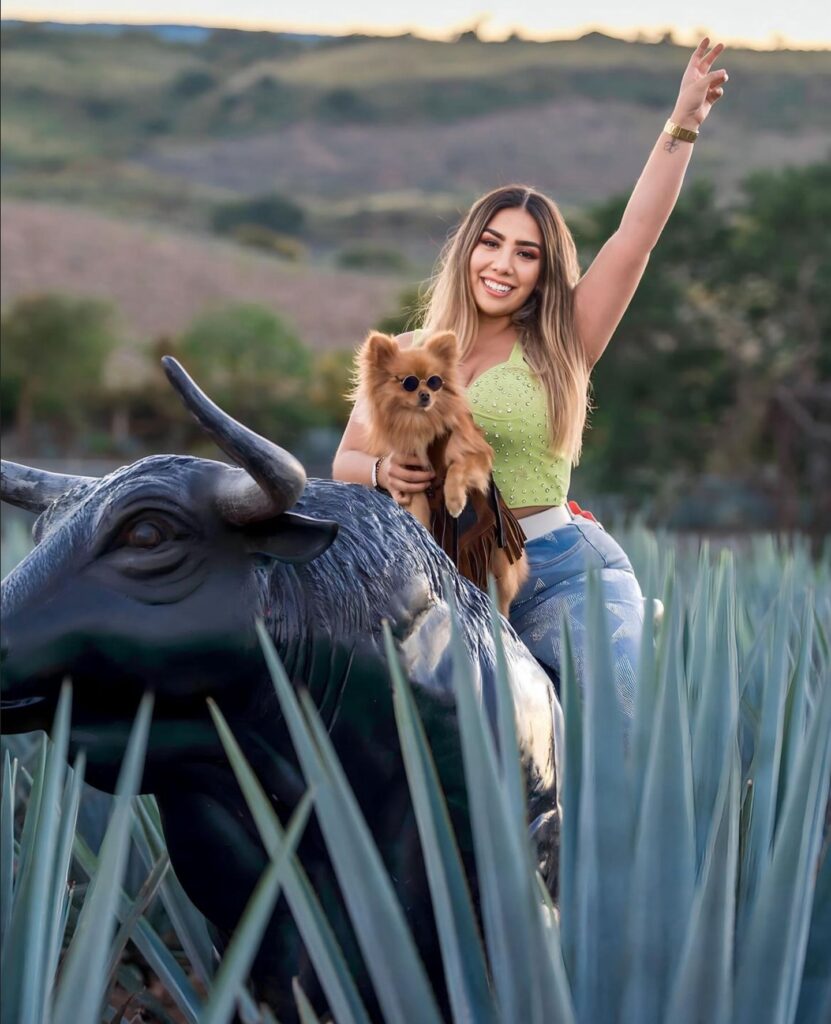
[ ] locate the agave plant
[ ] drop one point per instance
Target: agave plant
(694, 882)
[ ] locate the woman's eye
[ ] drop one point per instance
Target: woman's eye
(528, 255)
(144, 534)
(489, 242)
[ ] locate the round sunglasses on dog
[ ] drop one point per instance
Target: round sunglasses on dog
(411, 382)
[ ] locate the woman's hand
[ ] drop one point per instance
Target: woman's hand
(700, 87)
(399, 474)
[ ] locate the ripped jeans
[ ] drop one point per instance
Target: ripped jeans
(558, 563)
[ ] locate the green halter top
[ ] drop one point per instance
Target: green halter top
(509, 404)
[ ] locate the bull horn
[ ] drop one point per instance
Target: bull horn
(35, 489)
(272, 480)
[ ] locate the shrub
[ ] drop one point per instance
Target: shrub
(373, 258)
(275, 244)
(55, 348)
(247, 359)
(275, 212)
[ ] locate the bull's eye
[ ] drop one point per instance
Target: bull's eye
(144, 534)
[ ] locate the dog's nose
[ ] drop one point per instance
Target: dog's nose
(424, 397)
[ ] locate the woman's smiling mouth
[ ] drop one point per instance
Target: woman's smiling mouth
(496, 288)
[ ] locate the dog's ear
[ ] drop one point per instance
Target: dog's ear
(379, 348)
(444, 345)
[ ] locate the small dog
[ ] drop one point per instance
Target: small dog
(413, 399)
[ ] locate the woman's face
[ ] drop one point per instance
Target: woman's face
(505, 263)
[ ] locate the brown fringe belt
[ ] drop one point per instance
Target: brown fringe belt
(486, 522)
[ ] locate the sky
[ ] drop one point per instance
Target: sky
(795, 22)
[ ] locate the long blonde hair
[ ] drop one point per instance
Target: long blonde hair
(546, 321)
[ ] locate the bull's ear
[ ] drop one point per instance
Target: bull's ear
(292, 538)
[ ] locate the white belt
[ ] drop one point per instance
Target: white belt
(540, 523)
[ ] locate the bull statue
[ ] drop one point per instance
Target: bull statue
(152, 578)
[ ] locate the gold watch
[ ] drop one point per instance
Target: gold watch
(677, 132)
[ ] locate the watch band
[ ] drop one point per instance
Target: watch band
(376, 465)
(677, 132)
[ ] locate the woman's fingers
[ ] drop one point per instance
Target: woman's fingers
(414, 472)
(707, 59)
(701, 60)
(408, 478)
(397, 484)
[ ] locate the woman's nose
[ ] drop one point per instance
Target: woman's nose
(500, 263)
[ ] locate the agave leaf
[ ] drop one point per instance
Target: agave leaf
(60, 891)
(823, 632)
(646, 697)
(6, 850)
(570, 788)
(548, 957)
(238, 957)
(772, 956)
(80, 991)
(764, 769)
(462, 954)
(701, 627)
(188, 923)
(797, 701)
(605, 829)
(510, 905)
(752, 668)
(158, 956)
(663, 872)
(25, 984)
(144, 897)
(325, 953)
(30, 822)
(385, 941)
(304, 1007)
(716, 715)
(373, 907)
(702, 991)
(815, 994)
(509, 760)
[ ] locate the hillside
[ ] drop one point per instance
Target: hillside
(119, 149)
(251, 112)
(161, 279)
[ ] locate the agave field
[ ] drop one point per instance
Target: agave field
(694, 872)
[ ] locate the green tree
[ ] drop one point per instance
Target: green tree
(278, 213)
(722, 363)
(54, 350)
(664, 383)
(408, 314)
(776, 289)
(252, 365)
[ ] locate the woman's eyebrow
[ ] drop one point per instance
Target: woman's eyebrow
(501, 238)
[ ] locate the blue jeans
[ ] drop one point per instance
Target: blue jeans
(559, 562)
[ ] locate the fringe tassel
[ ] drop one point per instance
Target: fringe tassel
(486, 523)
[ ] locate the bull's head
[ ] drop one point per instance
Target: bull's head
(143, 579)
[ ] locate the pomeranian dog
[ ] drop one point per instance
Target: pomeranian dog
(413, 398)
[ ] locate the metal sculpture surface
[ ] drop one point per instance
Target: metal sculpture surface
(152, 577)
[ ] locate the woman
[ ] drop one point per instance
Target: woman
(530, 330)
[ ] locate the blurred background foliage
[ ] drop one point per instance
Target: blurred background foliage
(255, 202)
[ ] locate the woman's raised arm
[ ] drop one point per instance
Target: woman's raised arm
(606, 289)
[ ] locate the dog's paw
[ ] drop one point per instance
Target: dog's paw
(455, 501)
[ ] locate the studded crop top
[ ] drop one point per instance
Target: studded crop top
(509, 404)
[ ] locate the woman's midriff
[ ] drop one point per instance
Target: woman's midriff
(529, 510)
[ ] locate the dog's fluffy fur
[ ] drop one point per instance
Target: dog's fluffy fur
(406, 424)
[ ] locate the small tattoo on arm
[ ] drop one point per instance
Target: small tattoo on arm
(671, 145)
